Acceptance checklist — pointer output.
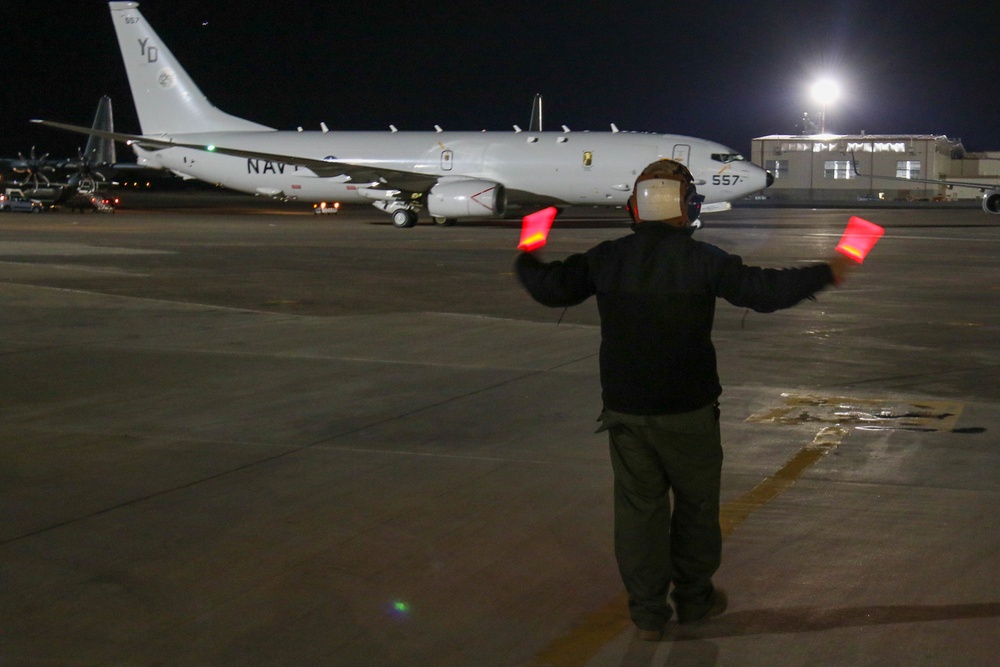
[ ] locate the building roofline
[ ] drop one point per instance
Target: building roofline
(858, 137)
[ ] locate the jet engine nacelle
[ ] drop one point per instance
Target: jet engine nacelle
(463, 198)
(991, 201)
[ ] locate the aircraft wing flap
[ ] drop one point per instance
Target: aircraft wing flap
(362, 174)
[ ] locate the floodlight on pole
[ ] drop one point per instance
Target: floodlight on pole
(826, 92)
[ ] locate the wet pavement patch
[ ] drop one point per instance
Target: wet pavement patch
(866, 413)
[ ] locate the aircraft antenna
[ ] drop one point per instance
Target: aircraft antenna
(536, 114)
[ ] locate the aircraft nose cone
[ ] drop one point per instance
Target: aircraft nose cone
(770, 179)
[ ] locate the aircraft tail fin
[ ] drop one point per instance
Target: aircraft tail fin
(101, 150)
(166, 99)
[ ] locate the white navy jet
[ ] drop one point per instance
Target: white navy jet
(450, 175)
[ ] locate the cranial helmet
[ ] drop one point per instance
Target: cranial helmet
(665, 191)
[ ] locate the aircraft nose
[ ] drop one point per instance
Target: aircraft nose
(770, 180)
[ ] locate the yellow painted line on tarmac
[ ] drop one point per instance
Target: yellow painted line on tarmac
(598, 629)
(590, 636)
(734, 512)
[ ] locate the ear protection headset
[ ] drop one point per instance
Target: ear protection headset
(664, 191)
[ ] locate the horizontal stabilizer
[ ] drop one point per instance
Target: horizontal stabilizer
(361, 174)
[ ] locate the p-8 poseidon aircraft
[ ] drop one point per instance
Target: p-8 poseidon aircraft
(450, 175)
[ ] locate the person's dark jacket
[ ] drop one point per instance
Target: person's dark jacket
(656, 292)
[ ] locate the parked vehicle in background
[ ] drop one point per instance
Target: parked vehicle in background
(326, 209)
(14, 200)
(96, 202)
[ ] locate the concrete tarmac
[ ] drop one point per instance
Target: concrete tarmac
(253, 436)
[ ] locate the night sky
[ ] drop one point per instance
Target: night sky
(724, 70)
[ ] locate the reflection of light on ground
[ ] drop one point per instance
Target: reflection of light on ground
(863, 413)
(399, 609)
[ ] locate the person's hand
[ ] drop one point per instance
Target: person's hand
(840, 265)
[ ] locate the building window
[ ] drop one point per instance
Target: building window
(908, 169)
(838, 169)
(877, 146)
(778, 168)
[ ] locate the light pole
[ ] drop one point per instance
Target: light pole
(826, 92)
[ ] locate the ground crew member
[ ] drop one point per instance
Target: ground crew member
(656, 292)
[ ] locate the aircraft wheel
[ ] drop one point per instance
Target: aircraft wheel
(444, 222)
(403, 218)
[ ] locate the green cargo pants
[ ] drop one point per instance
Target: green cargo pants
(653, 456)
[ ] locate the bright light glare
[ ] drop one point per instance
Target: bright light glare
(825, 91)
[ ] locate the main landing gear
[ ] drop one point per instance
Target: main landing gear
(403, 218)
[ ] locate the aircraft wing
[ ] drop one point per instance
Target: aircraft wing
(982, 187)
(362, 174)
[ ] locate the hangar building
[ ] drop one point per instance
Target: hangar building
(819, 169)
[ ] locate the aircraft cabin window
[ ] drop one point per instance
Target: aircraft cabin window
(532, 140)
(561, 140)
(588, 158)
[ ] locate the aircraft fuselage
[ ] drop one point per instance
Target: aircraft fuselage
(573, 168)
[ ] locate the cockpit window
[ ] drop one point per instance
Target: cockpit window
(726, 158)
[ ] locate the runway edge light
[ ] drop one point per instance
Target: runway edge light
(535, 229)
(859, 237)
